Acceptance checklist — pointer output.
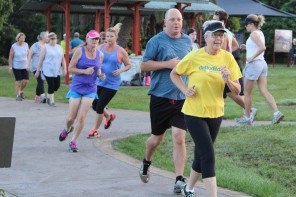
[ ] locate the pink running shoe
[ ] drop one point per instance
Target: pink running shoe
(73, 147)
(64, 134)
(37, 99)
(108, 122)
(93, 133)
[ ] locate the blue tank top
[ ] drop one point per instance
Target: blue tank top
(110, 64)
(86, 84)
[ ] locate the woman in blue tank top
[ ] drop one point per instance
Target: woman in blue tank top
(85, 65)
(114, 56)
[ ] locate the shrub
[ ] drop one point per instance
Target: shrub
(3, 61)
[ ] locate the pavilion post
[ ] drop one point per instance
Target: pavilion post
(98, 20)
(66, 5)
(47, 14)
(108, 5)
(136, 32)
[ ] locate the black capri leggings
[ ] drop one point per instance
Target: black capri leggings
(105, 95)
(53, 84)
(203, 132)
(40, 85)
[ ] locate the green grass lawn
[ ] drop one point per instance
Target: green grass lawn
(258, 160)
(281, 83)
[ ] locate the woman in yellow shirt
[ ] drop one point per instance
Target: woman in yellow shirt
(208, 70)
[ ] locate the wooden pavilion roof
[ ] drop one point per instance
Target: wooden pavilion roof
(119, 7)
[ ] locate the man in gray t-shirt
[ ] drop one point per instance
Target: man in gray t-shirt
(162, 54)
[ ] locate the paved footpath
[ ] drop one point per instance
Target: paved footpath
(42, 166)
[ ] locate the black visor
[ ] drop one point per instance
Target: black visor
(215, 27)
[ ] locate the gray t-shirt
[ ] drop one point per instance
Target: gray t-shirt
(36, 50)
(20, 56)
(161, 47)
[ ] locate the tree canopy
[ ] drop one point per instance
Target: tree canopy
(6, 8)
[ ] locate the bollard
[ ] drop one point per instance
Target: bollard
(7, 127)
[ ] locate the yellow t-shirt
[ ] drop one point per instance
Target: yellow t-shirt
(63, 45)
(203, 71)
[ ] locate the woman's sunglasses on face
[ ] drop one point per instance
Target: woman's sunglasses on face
(248, 24)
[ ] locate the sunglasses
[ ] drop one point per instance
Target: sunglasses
(95, 38)
(248, 24)
(216, 35)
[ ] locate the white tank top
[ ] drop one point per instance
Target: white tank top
(229, 44)
(252, 47)
(20, 56)
(51, 65)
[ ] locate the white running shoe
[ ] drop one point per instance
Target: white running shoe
(277, 117)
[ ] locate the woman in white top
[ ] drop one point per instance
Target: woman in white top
(18, 57)
(50, 62)
(256, 68)
(33, 59)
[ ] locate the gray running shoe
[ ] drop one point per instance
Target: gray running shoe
(187, 193)
(253, 114)
(22, 96)
(277, 117)
(179, 185)
(244, 120)
(52, 105)
(48, 101)
(18, 98)
(144, 177)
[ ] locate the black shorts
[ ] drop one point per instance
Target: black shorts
(227, 90)
(20, 74)
(165, 113)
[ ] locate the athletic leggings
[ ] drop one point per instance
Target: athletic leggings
(203, 132)
(105, 95)
(53, 84)
(40, 85)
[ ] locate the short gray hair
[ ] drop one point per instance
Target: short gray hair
(42, 35)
